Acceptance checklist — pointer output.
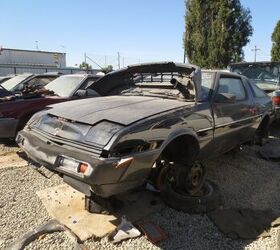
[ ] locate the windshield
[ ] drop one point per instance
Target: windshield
(65, 86)
(12, 83)
(257, 73)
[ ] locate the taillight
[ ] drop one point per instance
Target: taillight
(276, 100)
(82, 168)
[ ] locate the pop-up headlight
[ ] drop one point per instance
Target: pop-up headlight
(35, 120)
(102, 132)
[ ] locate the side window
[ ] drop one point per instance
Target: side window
(232, 86)
(87, 83)
(257, 92)
(41, 81)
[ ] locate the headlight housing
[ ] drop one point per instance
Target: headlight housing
(36, 119)
(102, 132)
(134, 146)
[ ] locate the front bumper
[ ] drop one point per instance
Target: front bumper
(103, 178)
(8, 127)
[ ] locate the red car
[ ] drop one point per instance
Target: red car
(25, 83)
(16, 111)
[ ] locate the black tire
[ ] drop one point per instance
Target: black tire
(193, 204)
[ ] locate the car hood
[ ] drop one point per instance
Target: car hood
(268, 87)
(119, 109)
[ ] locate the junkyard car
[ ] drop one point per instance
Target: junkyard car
(276, 104)
(266, 75)
(25, 83)
(162, 115)
(16, 111)
(5, 78)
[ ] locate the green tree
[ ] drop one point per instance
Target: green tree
(216, 32)
(275, 51)
(107, 69)
(85, 65)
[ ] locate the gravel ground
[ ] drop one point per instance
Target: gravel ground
(245, 180)
(7, 148)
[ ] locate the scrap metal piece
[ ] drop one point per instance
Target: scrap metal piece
(153, 232)
(125, 231)
(49, 227)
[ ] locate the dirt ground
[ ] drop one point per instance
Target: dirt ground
(245, 180)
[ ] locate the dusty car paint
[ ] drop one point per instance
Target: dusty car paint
(67, 136)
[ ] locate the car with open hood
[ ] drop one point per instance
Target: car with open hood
(161, 119)
(15, 110)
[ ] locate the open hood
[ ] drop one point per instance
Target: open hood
(119, 78)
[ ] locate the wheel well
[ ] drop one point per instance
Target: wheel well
(183, 149)
(263, 127)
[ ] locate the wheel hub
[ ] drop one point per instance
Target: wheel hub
(188, 180)
(191, 179)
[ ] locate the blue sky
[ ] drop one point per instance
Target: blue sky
(140, 30)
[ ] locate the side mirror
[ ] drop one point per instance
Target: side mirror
(224, 98)
(81, 93)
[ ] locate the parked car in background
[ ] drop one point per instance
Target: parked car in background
(164, 120)
(276, 103)
(25, 83)
(5, 78)
(4, 92)
(15, 112)
(266, 75)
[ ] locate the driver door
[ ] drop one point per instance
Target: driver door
(233, 118)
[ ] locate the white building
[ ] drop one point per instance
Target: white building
(19, 57)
